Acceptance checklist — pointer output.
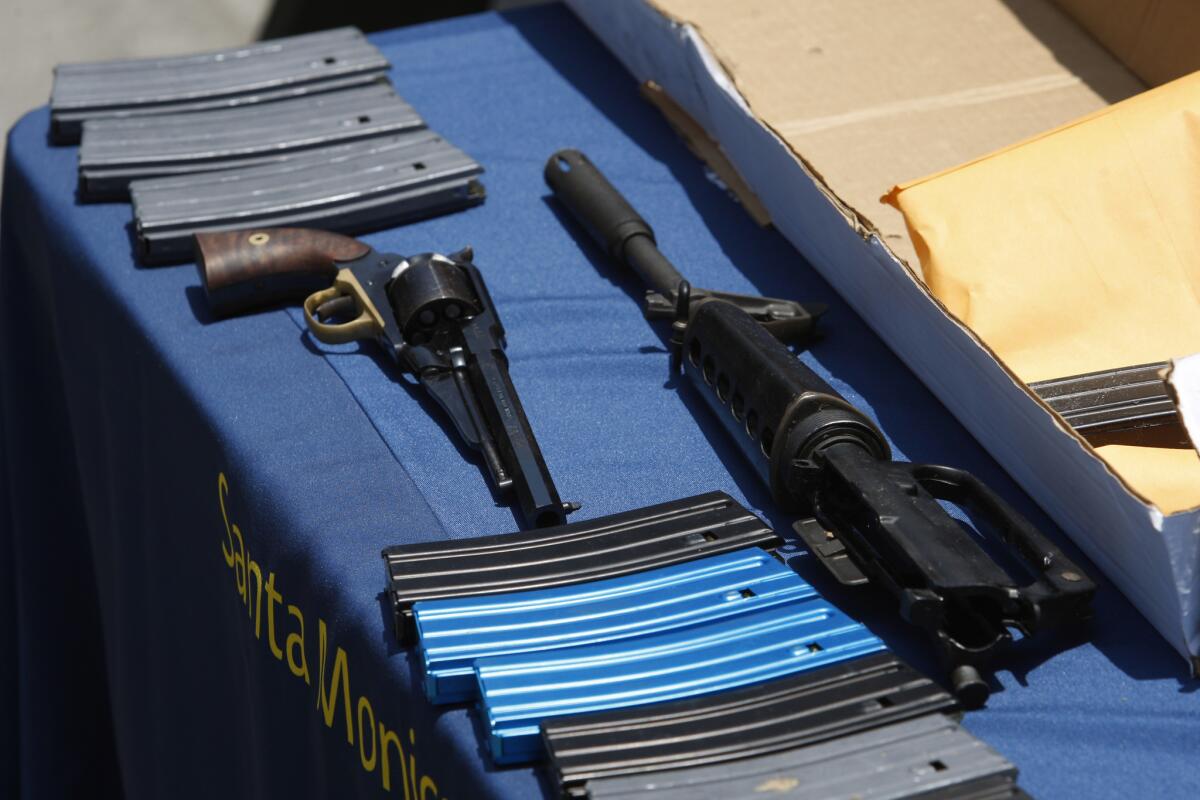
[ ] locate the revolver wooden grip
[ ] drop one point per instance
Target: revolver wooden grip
(247, 269)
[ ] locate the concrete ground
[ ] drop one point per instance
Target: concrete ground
(37, 34)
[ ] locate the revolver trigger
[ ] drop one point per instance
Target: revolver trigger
(346, 295)
(340, 306)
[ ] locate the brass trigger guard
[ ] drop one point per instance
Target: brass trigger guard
(366, 325)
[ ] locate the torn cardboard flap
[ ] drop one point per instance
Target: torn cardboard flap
(707, 149)
(871, 98)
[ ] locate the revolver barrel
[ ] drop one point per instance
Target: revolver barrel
(447, 333)
(507, 441)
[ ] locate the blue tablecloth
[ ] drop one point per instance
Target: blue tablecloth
(192, 511)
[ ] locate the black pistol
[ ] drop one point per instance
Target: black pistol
(430, 312)
(867, 518)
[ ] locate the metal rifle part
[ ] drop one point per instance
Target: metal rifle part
(931, 757)
(257, 73)
(864, 516)
(1117, 405)
(782, 715)
(349, 188)
(116, 152)
(518, 692)
(605, 547)
(453, 633)
(626, 237)
(433, 316)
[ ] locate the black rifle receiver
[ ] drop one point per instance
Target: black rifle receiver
(431, 313)
(866, 517)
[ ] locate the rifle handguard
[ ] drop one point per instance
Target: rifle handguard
(775, 407)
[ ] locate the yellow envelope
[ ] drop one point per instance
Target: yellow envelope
(1079, 250)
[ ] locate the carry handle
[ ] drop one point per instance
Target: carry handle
(1059, 581)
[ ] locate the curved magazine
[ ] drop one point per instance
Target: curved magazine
(784, 714)
(346, 188)
(262, 72)
(116, 152)
(928, 757)
(454, 633)
(605, 547)
(519, 692)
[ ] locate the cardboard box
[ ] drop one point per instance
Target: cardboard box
(821, 106)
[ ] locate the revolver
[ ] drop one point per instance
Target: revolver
(430, 312)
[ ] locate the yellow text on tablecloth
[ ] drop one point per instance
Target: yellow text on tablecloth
(381, 748)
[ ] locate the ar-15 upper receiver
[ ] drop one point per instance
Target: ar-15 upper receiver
(866, 517)
(431, 313)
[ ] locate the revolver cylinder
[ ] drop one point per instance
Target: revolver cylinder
(430, 291)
